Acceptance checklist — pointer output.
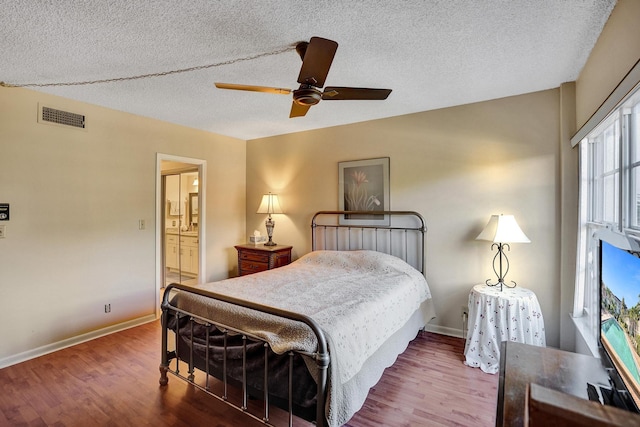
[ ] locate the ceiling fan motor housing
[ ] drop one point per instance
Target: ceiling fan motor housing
(307, 95)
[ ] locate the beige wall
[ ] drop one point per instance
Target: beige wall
(73, 243)
(455, 166)
(615, 53)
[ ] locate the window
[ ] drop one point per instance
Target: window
(634, 165)
(609, 195)
(604, 188)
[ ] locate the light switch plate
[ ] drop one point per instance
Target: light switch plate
(2, 232)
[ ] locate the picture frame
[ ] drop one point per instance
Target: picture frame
(363, 185)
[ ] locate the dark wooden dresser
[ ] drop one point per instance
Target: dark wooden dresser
(255, 258)
(521, 364)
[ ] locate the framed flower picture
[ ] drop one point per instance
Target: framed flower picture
(363, 186)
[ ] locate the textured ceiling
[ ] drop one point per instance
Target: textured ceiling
(433, 54)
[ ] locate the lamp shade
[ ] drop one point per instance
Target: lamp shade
(503, 229)
(270, 205)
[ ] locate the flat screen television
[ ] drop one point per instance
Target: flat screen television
(619, 334)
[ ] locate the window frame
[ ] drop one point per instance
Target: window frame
(592, 215)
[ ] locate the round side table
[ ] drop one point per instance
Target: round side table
(512, 314)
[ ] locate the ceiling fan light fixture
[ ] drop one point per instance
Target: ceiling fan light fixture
(307, 96)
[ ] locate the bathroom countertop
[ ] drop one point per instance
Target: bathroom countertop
(183, 233)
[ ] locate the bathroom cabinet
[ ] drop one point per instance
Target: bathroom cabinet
(181, 253)
(189, 254)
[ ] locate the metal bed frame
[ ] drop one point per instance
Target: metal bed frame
(392, 239)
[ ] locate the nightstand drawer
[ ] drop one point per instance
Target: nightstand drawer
(254, 256)
(249, 267)
(280, 259)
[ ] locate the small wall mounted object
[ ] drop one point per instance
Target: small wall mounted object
(502, 230)
(270, 205)
(4, 212)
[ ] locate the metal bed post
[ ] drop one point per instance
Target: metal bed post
(206, 352)
(290, 389)
(225, 394)
(164, 363)
(244, 372)
(191, 376)
(177, 344)
(266, 382)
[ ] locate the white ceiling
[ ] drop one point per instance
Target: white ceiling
(432, 53)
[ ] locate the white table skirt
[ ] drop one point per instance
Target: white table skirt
(512, 314)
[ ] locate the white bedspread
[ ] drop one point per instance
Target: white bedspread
(359, 299)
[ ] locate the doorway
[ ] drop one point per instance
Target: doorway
(180, 219)
(180, 189)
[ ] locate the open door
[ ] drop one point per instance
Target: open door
(181, 226)
(180, 221)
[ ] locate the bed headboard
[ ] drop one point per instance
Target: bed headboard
(398, 233)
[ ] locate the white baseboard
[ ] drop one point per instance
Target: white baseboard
(50, 348)
(443, 330)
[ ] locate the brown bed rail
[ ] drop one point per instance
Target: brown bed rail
(321, 356)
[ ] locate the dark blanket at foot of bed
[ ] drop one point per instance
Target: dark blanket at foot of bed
(304, 387)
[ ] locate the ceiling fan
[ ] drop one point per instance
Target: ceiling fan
(317, 56)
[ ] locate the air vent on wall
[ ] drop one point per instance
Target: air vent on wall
(65, 118)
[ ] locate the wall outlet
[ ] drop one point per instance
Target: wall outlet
(464, 311)
(141, 224)
(3, 232)
(107, 308)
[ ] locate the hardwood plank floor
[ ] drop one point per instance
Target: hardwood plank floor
(113, 381)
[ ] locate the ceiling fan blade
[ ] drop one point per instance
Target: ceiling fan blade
(298, 110)
(266, 89)
(343, 93)
(317, 61)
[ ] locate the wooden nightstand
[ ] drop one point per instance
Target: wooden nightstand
(255, 258)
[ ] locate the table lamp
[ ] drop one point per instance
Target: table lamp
(270, 205)
(502, 230)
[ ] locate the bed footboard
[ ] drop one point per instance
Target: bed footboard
(173, 316)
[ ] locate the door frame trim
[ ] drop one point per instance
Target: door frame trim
(202, 181)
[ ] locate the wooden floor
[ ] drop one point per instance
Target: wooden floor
(113, 381)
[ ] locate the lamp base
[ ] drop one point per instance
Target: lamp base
(499, 256)
(501, 283)
(270, 224)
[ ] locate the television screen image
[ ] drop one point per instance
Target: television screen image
(620, 315)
